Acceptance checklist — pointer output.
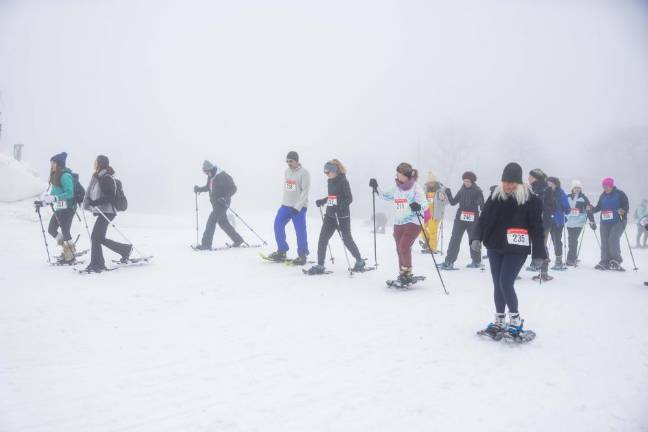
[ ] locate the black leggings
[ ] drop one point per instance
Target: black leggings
(98, 238)
(63, 219)
(573, 234)
(504, 269)
(328, 229)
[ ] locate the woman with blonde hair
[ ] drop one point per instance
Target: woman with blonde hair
(435, 193)
(337, 217)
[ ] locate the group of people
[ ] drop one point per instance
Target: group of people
(65, 194)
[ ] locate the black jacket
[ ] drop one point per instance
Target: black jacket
(339, 188)
(219, 185)
(498, 216)
(542, 190)
(469, 199)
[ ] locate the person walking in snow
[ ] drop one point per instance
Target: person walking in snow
(613, 205)
(558, 221)
(221, 188)
(100, 198)
(60, 196)
(511, 228)
(540, 188)
(641, 216)
(578, 216)
(293, 208)
(471, 200)
(407, 198)
(435, 193)
(337, 217)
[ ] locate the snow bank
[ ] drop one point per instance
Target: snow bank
(17, 180)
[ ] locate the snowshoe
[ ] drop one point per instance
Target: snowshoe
(299, 261)
(201, 247)
(515, 331)
(92, 269)
(447, 266)
(496, 329)
(316, 270)
(125, 258)
(616, 266)
(242, 245)
(602, 266)
(542, 277)
(278, 256)
(474, 265)
(129, 261)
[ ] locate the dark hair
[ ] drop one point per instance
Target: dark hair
(407, 170)
(103, 163)
(56, 173)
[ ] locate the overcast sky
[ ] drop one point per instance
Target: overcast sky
(449, 86)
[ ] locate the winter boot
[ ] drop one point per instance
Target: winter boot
(570, 263)
(68, 251)
(300, 261)
(446, 266)
(496, 329)
(202, 247)
(316, 270)
(359, 265)
(602, 266)
(277, 256)
(124, 258)
(615, 265)
(92, 268)
(237, 244)
(515, 324)
(474, 265)
(405, 275)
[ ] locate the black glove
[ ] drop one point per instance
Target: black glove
(38, 204)
(294, 210)
(593, 225)
(373, 183)
(196, 189)
(415, 207)
(321, 202)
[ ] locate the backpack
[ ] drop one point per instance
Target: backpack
(79, 190)
(120, 203)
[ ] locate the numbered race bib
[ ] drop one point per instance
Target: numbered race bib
(518, 237)
(331, 201)
(575, 212)
(402, 207)
(430, 198)
(607, 215)
(467, 216)
(291, 185)
(60, 205)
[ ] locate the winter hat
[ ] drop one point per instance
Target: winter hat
(59, 159)
(207, 166)
(512, 173)
(469, 175)
(292, 155)
(608, 182)
(576, 184)
(431, 178)
(538, 174)
(554, 180)
(331, 167)
(103, 161)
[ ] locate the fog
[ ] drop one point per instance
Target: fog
(449, 86)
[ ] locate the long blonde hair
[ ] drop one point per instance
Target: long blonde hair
(337, 163)
(522, 194)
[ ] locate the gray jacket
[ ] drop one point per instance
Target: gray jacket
(102, 188)
(296, 188)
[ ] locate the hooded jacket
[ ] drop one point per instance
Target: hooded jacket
(219, 185)
(470, 200)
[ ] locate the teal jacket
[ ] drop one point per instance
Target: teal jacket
(65, 192)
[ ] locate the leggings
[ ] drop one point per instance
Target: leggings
(328, 229)
(505, 267)
(62, 219)
(405, 236)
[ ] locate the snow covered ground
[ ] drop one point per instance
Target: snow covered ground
(225, 342)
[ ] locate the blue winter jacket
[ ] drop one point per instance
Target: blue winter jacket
(562, 207)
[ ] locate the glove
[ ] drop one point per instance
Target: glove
(294, 210)
(593, 225)
(475, 245)
(321, 202)
(622, 212)
(415, 207)
(373, 183)
(196, 189)
(38, 204)
(537, 262)
(49, 199)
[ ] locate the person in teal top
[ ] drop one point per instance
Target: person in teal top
(61, 197)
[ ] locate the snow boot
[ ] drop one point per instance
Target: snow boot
(94, 269)
(202, 247)
(602, 266)
(68, 251)
(515, 324)
(237, 244)
(300, 261)
(359, 265)
(446, 266)
(124, 258)
(277, 256)
(474, 265)
(570, 263)
(496, 329)
(405, 276)
(616, 266)
(316, 270)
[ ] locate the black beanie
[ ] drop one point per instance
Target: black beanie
(292, 155)
(103, 161)
(469, 175)
(512, 173)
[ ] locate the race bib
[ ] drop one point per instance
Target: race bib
(331, 200)
(430, 197)
(402, 207)
(291, 185)
(60, 205)
(607, 215)
(467, 216)
(518, 237)
(575, 212)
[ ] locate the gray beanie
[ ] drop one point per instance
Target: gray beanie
(207, 166)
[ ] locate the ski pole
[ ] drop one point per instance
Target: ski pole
(373, 198)
(111, 223)
(634, 264)
(580, 244)
(49, 260)
(197, 235)
(85, 221)
(248, 226)
(433, 258)
(329, 244)
(346, 254)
